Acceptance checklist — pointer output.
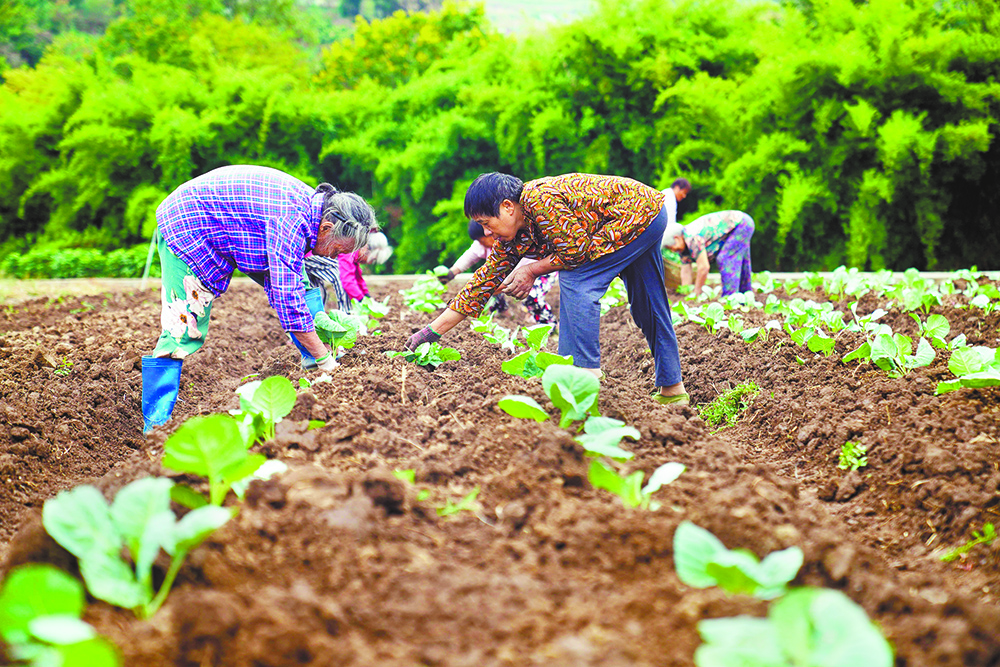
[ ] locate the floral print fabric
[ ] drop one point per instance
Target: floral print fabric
(186, 306)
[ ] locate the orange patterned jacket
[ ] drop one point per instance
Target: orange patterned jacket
(575, 218)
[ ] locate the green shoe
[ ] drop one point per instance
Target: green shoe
(678, 399)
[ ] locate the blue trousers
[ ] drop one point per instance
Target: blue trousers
(640, 266)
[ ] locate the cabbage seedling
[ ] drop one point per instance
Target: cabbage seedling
(533, 361)
(212, 447)
(425, 294)
(807, 627)
(431, 355)
(573, 390)
(630, 488)
(975, 366)
(263, 404)
(466, 504)
(139, 520)
(40, 609)
(703, 561)
(852, 456)
(934, 329)
(602, 435)
(523, 407)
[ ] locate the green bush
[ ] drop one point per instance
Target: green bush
(79, 263)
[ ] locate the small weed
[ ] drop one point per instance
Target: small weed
(65, 368)
(852, 456)
(727, 406)
(85, 306)
(988, 536)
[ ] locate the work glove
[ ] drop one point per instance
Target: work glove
(425, 335)
(447, 278)
(327, 362)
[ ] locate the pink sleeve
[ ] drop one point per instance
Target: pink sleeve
(350, 276)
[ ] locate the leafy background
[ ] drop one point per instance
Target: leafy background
(857, 133)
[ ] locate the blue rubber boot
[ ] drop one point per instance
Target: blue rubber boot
(161, 380)
(314, 301)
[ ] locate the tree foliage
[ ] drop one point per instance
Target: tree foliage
(860, 133)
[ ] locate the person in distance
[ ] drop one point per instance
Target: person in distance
(723, 236)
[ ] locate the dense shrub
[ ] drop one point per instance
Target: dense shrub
(79, 263)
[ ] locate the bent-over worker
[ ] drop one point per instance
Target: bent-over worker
(723, 236)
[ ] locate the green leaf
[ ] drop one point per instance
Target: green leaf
(937, 326)
(156, 533)
(409, 476)
(665, 474)
(523, 407)
(61, 629)
(947, 386)
(196, 526)
(80, 521)
(98, 652)
(545, 359)
(741, 641)
(605, 442)
(516, 365)
(206, 446)
(135, 504)
(821, 344)
(602, 476)
(818, 626)
(923, 356)
(573, 390)
(32, 591)
(466, 504)
(863, 352)
(537, 335)
(274, 398)
(964, 361)
(187, 497)
(988, 378)
(694, 549)
(110, 579)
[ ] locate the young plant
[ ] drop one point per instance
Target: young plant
(140, 522)
(213, 447)
(263, 404)
(703, 561)
(807, 627)
(40, 610)
(533, 361)
(988, 536)
(975, 366)
(602, 435)
(425, 294)
(629, 488)
(852, 456)
(64, 368)
(893, 353)
(727, 406)
(466, 504)
(430, 355)
(710, 317)
(573, 390)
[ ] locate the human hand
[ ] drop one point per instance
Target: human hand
(327, 362)
(518, 283)
(425, 335)
(447, 278)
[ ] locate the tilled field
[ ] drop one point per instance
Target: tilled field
(337, 562)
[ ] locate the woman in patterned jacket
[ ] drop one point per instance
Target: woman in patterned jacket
(590, 228)
(723, 236)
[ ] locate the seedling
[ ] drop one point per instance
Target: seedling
(213, 447)
(852, 456)
(893, 353)
(523, 407)
(703, 561)
(975, 366)
(430, 355)
(934, 329)
(988, 536)
(425, 294)
(533, 361)
(410, 477)
(466, 504)
(64, 368)
(139, 521)
(329, 330)
(573, 390)
(807, 627)
(602, 435)
(40, 609)
(629, 488)
(727, 406)
(263, 404)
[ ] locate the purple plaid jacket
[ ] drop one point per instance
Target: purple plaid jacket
(247, 218)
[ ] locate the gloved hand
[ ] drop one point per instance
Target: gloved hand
(447, 278)
(327, 362)
(425, 335)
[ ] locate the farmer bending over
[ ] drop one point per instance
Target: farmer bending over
(723, 236)
(590, 229)
(262, 222)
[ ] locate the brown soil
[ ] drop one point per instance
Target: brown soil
(337, 563)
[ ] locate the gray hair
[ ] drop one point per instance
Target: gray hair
(353, 218)
(379, 249)
(673, 230)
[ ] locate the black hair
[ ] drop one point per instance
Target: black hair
(488, 191)
(682, 183)
(476, 230)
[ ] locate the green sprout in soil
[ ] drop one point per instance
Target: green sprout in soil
(852, 456)
(64, 368)
(988, 536)
(430, 355)
(727, 406)
(466, 504)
